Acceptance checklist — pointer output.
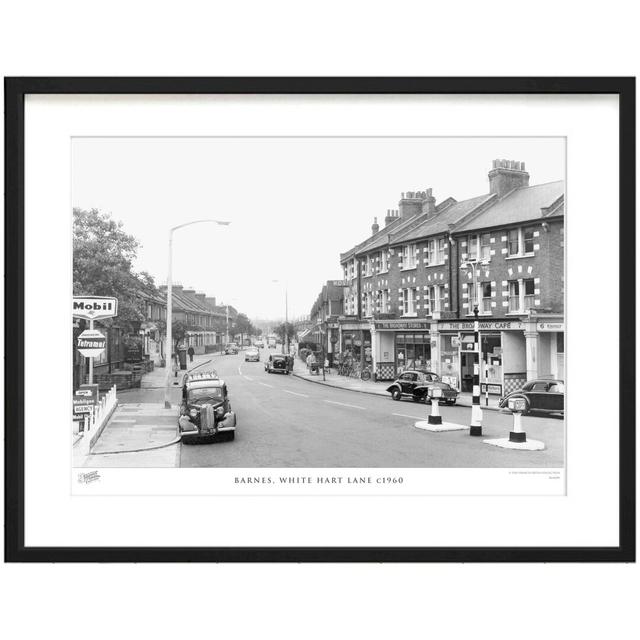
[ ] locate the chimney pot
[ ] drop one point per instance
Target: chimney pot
(507, 175)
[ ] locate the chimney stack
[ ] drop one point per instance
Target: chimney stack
(375, 227)
(211, 301)
(428, 202)
(389, 218)
(410, 204)
(201, 296)
(507, 175)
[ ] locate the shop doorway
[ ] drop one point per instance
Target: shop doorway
(467, 361)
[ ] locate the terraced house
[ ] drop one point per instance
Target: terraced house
(413, 286)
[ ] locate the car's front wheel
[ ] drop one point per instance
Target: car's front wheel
(396, 394)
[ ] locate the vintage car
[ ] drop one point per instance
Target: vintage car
(415, 384)
(278, 363)
(259, 344)
(252, 355)
(540, 396)
(205, 410)
(231, 348)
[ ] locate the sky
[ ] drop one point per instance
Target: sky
(294, 204)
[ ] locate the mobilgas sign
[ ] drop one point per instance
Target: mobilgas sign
(94, 307)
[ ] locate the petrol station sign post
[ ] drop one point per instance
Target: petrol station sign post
(91, 343)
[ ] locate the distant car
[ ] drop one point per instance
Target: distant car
(415, 384)
(540, 396)
(252, 355)
(278, 363)
(205, 411)
(231, 349)
(259, 344)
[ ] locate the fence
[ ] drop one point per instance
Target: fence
(95, 422)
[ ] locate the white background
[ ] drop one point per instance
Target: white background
(370, 38)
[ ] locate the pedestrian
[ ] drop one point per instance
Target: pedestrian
(191, 352)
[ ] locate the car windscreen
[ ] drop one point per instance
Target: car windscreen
(204, 394)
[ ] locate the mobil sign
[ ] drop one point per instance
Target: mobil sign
(94, 307)
(91, 343)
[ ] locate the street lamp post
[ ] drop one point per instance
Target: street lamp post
(169, 345)
(286, 317)
(476, 412)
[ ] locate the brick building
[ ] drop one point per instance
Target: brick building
(325, 312)
(409, 300)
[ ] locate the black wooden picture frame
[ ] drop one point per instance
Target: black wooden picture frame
(15, 91)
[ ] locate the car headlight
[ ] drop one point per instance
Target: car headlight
(193, 413)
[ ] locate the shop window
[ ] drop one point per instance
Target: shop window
(514, 242)
(560, 342)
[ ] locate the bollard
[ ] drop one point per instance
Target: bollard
(517, 437)
(435, 395)
(434, 421)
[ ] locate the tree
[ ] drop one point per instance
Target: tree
(243, 326)
(285, 330)
(103, 255)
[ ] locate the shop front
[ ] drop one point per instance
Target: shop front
(399, 345)
(355, 344)
(502, 355)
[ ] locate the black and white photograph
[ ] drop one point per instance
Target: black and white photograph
(319, 302)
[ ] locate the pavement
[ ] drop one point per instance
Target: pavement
(286, 421)
(141, 429)
(332, 379)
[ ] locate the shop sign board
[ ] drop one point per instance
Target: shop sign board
(94, 307)
(334, 339)
(493, 325)
(84, 399)
(91, 343)
(404, 325)
(550, 326)
(339, 283)
(492, 388)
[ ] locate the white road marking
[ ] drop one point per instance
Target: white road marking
(239, 371)
(264, 384)
(248, 378)
(344, 404)
(404, 415)
(295, 393)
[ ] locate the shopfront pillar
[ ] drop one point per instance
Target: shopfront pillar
(532, 339)
(434, 336)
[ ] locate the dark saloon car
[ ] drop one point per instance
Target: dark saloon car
(278, 363)
(415, 384)
(205, 411)
(541, 396)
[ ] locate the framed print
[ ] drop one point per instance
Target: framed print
(320, 319)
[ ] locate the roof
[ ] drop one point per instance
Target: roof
(205, 384)
(439, 223)
(519, 205)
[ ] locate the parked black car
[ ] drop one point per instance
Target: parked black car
(278, 363)
(416, 383)
(541, 396)
(205, 411)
